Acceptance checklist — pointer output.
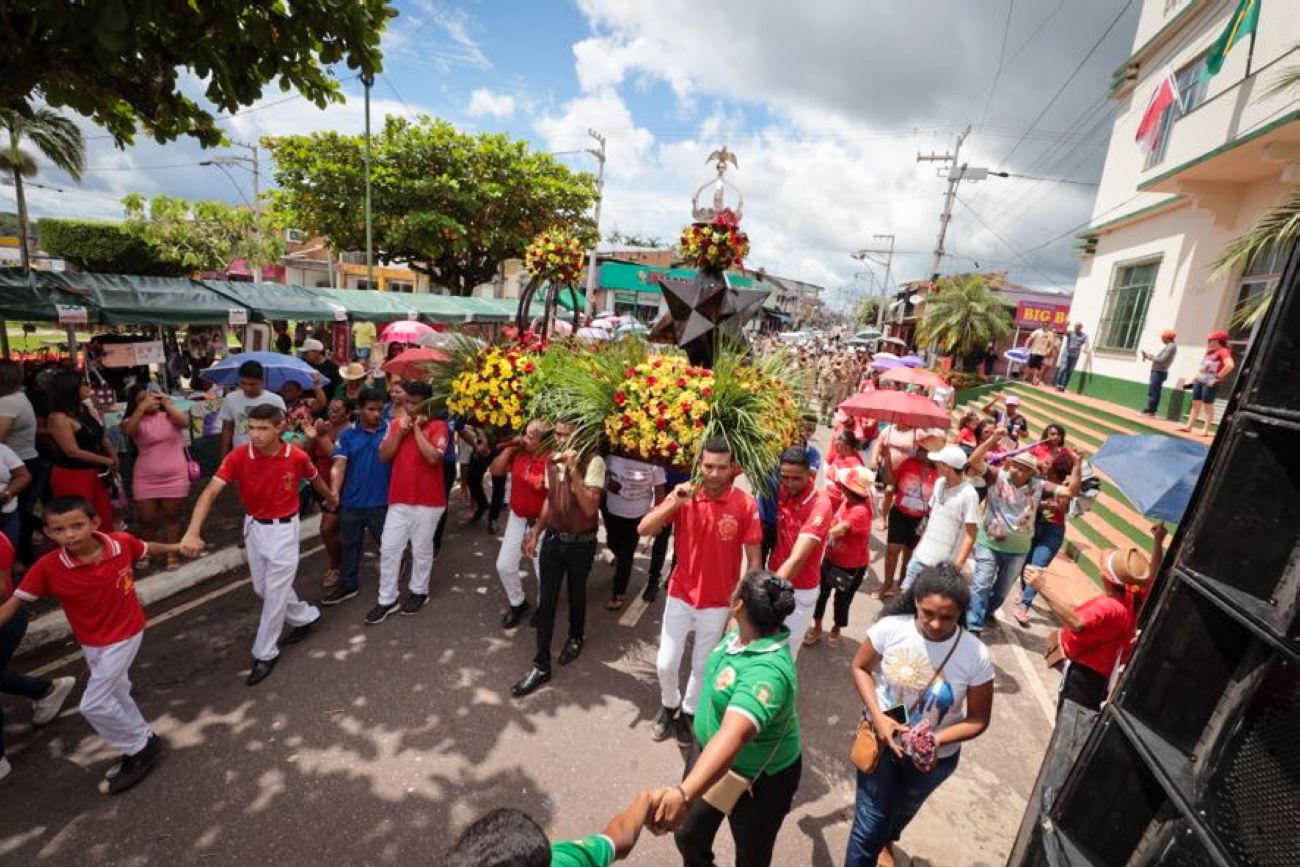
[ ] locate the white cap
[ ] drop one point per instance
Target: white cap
(953, 456)
(311, 344)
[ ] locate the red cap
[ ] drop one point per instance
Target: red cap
(1221, 336)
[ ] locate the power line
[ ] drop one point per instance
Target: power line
(393, 88)
(1022, 256)
(1002, 53)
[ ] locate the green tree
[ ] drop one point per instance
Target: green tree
(120, 63)
(452, 205)
(866, 311)
(202, 235)
(102, 247)
(54, 137)
(627, 240)
(963, 316)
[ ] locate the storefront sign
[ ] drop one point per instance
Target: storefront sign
(1031, 315)
(133, 354)
(238, 316)
(72, 314)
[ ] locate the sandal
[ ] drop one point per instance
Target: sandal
(615, 603)
(813, 635)
(331, 579)
(833, 640)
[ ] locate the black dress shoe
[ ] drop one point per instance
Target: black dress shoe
(530, 682)
(572, 648)
(298, 633)
(651, 591)
(514, 614)
(261, 668)
(532, 621)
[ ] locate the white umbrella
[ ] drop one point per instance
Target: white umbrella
(889, 355)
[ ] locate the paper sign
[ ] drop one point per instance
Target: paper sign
(340, 313)
(238, 316)
(72, 314)
(133, 354)
(149, 352)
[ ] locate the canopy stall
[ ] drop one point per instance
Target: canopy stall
(278, 301)
(369, 304)
(122, 299)
(36, 296)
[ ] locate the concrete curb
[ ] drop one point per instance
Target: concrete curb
(53, 628)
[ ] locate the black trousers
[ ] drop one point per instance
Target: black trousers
(659, 553)
(448, 482)
(561, 562)
(478, 466)
(1083, 686)
(755, 822)
(622, 538)
(843, 598)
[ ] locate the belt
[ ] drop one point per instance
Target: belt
(571, 537)
(286, 519)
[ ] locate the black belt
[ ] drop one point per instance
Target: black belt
(286, 519)
(571, 537)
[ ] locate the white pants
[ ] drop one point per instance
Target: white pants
(273, 564)
(512, 549)
(680, 619)
(798, 621)
(407, 525)
(107, 704)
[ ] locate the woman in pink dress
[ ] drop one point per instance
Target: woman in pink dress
(160, 481)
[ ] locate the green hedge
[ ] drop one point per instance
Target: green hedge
(102, 247)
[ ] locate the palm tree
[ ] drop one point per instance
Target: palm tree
(963, 316)
(55, 137)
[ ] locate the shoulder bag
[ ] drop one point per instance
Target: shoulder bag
(727, 791)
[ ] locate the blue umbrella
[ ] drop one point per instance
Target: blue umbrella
(1019, 355)
(1156, 472)
(279, 370)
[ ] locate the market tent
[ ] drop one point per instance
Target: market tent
(371, 305)
(131, 299)
(34, 296)
(279, 301)
(439, 308)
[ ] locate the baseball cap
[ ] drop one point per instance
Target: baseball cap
(1221, 336)
(1012, 400)
(953, 456)
(311, 344)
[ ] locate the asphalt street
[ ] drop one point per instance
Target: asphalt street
(376, 745)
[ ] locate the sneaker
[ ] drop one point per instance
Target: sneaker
(664, 723)
(5, 767)
(135, 768)
(1022, 614)
(685, 729)
(414, 602)
(380, 613)
(339, 594)
(48, 708)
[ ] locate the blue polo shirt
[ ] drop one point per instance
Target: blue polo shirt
(365, 485)
(767, 505)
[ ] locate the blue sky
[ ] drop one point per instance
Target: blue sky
(825, 104)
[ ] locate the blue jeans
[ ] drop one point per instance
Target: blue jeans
(353, 524)
(994, 572)
(11, 682)
(1048, 539)
(887, 800)
(1065, 368)
(1154, 385)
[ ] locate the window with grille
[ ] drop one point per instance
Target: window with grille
(1192, 87)
(1125, 311)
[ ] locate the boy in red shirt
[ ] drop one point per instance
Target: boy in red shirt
(267, 473)
(803, 523)
(524, 459)
(91, 575)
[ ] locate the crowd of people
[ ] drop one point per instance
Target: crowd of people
(750, 579)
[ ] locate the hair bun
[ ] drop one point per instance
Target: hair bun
(784, 602)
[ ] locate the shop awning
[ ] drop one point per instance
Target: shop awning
(278, 301)
(129, 299)
(35, 296)
(371, 304)
(632, 277)
(570, 298)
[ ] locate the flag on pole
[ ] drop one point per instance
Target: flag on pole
(1165, 95)
(1240, 25)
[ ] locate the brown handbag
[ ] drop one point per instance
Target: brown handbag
(1054, 654)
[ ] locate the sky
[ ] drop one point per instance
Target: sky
(825, 104)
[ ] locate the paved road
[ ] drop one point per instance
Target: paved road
(376, 745)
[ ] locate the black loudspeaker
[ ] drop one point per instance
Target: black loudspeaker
(1195, 761)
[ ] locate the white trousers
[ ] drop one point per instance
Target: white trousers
(680, 619)
(407, 525)
(799, 620)
(512, 550)
(273, 564)
(107, 704)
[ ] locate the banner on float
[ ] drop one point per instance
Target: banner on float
(1032, 315)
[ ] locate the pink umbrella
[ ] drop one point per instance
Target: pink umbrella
(897, 407)
(414, 362)
(915, 376)
(404, 331)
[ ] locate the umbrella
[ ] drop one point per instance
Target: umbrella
(879, 363)
(446, 339)
(413, 362)
(404, 331)
(897, 407)
(279, 370)
(1019, 355)
(593, 334)
(915, 376)
(913, 361)
(1157, 473)
(899, 341)
(631, 327)
(869, 334)
(887, 355)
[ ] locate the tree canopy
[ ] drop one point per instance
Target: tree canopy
(452, 205)
(120, 63)
(963, 315)
(102, 247)
(202, 235)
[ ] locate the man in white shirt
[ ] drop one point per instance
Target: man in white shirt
(632, 488)
(1042, 344)
(235, 406)
(954, 516)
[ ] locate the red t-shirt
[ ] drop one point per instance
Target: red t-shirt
(853, 549)
(913, 485)
(1212, 364)
(1107, 626)
(268, 484)
(414, 481)
(709, 537)
(833, 467)
(966, 436)
(806, 514)
(528, 484)
(98, 598)
(6, 566)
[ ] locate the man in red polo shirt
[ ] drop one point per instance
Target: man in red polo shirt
(525, 461)
(713, 527)
(91, 575)
(803, 524)
(267, 473)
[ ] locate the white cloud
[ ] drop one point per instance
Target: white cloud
(485, 103)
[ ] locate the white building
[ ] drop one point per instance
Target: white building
(1224, 157)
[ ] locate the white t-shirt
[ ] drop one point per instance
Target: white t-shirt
(908, 661)
(636, 483)
(235, 407)
(8, 463)
(22, 431)
(950, 512)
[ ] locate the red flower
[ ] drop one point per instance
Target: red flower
(681, 382)
(661, 407)
(627, 420)
(529, 367)
(657, 363)
(707, 391)
(650, 380)
(699, 422)
(661, 423)
(620, 398)
(629, 373)
(672, 448)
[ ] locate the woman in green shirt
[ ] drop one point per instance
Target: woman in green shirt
(745, 723)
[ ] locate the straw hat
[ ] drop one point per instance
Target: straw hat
(352, 370)
(859, 480)
(1127, 566)
(1026, 460)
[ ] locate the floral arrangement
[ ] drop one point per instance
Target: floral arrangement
(556, 256)
(491, 389)
(660, 409)
(716, 245)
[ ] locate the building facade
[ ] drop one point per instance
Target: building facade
(1222, 158)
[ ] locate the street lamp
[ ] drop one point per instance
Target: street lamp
(250, 162)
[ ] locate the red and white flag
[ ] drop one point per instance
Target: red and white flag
(1165, 95)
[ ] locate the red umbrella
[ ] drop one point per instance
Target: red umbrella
(914, 376)
(404, 331)
(897, 407)
(413, 362)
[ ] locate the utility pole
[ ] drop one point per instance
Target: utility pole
(888, 253)
(956, 171)
(593, 266)
(368, 81)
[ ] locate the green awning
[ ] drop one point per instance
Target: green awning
(370, 304)
(129, 299)
(570, 298)
(32, 297)
(443, 309)
(277, 300)
(631, 277)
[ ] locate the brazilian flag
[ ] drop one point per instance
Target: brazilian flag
(1240, 25)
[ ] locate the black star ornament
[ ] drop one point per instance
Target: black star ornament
(704, 307)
